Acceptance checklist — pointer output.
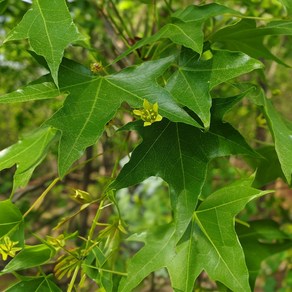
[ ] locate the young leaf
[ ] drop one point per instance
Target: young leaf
(93, 102)
(27, 154)
(211, 243)
(43, 25)
(179, 154)
(261, 240)
(10, 217)
(30, 256)
(192, 82)
(34, 284)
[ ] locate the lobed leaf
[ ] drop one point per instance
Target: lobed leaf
(195, 78)
(27, 154)
(211, 243)
(93, 102)
(49, 28)
(179, 154)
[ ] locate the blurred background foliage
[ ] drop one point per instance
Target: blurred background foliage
(111, 26)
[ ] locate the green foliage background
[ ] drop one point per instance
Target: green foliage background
(94, 200)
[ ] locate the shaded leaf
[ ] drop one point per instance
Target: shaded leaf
(10, 217)
(268, 169)
(245, 36)
(93, 102)
(91, 266)
(259, 241)
(221, 106)
(43, 25)
(185, 28)
(195, 78)
(30, 256)
(211, 243)
(282, 133)
(27, 154)
(43, 284)
(179, 154)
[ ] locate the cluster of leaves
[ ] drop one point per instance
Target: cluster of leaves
(185, 130)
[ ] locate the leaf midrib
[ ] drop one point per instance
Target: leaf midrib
(73, 147)
(215, 248)
(47, 32)
(193, 94)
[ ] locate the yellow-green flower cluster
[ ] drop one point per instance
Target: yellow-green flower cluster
(7, 247)
(149, 113)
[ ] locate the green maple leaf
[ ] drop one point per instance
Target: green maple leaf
(195, 78)
(211, 243)
(179, 154)
(94, 100)
(27, 154)
(185, 28)
(246, 37)
(43, 25)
